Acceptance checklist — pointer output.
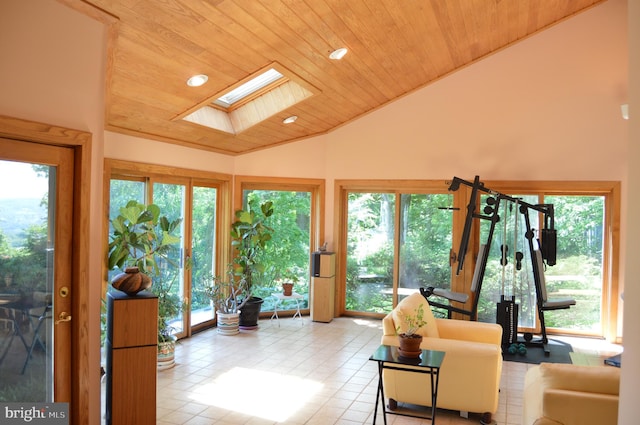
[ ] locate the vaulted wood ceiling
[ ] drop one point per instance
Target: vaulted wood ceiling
(395, 47)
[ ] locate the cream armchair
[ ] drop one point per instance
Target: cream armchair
(567, 394)
(470, 372)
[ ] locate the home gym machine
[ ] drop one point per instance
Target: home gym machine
(545, 252)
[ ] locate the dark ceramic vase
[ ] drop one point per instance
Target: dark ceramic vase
(131, 281)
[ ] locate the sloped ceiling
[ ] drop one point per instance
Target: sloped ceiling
(394, 48)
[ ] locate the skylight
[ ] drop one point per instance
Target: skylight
(250, 87)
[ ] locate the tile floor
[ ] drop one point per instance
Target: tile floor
(315, 374)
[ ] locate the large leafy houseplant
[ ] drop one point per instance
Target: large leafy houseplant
(250, 235)
(140, 237)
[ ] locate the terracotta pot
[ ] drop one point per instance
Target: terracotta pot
(131, 281)
(287, 289)
(410, 345)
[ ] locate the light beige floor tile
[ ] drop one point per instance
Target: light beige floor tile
(328, 378)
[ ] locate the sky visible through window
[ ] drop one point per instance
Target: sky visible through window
(19, 180)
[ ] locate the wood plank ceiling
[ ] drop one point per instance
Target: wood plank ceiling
(395, 47)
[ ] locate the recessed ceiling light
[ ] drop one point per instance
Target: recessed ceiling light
(338, 53)
(290, 119)
(197, 80)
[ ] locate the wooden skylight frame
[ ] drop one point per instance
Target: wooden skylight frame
(255, 107)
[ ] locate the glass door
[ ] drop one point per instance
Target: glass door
(171, 198)
(396, 244)
(425, 242)
(370, 251)
(203, 252)
(35, 272)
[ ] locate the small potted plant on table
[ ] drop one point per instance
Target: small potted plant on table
(288, 280)
(408, 339)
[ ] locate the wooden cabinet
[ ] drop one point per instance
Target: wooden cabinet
(323, 287)
(323, 296)
(132, 350)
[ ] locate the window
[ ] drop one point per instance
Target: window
(296, 233)
(581, 222)
(396, 242)
(398, 236)
(256, 98)
(251, 87)
(196, 197)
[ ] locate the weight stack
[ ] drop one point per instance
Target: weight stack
(507, 317)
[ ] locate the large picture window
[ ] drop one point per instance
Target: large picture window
(397, 238)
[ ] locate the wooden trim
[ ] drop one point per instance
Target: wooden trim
(85, 373)
(30, 131)
(315, 186)
(90, 10)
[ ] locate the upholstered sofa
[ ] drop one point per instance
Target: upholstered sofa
(567, 394)
(470, 372)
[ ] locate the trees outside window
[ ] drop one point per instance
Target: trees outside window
(398, 239)
(286, 256)
(423, 235)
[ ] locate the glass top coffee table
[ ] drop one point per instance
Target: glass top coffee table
(429, 362)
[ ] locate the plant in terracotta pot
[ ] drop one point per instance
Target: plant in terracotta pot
(227, 296)
(250, 235)
(140, 236)
(410, 340)
(288, 279)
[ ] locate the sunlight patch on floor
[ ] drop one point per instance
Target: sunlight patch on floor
(268, 395)
(368, 323)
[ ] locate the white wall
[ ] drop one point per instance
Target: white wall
(120, 146)
(628, 408)
(547, 108)
(52, 61)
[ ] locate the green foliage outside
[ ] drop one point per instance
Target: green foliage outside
(425, 241)
(288, 250)
(425, 238)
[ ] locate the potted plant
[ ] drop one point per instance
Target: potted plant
(228, 300)
(287, 281)
(408, 339)
(140, 237)
(250, 236)
(170, 305)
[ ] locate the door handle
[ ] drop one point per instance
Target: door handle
(63, 317)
